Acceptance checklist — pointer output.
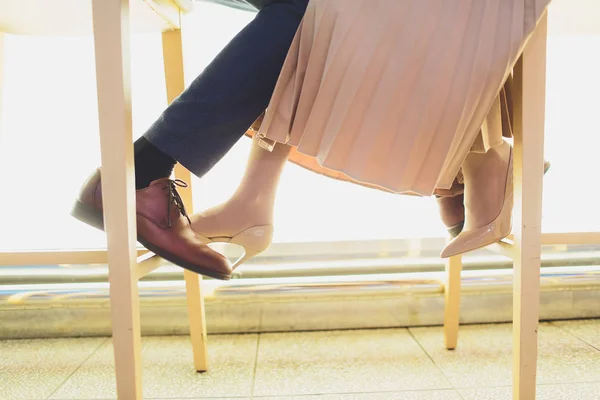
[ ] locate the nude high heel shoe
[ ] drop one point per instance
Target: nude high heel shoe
(452, 210)
(254, 240)
(488, 200)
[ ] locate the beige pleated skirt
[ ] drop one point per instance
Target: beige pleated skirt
(393, 94)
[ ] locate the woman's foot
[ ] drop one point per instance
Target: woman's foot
(452, 210)
(246, 219)
(488, 200)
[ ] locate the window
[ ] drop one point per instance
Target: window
(50, 144)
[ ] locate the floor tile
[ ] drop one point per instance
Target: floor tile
(343, 362)
(569, 391)
(185, 398)
(33, 369)
(565, 359)
(168, 370)
(587, 330)
(419, 395)
(483, 357)
(494, 393)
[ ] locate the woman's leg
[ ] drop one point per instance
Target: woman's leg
(246, 219)
(253, 202)
(210, 116)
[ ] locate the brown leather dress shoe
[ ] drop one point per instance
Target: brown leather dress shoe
(163, 225)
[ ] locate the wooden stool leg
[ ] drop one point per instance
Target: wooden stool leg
(452, 301)
(111, 39)
(530, 79)
(173, 59)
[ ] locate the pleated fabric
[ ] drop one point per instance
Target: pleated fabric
(393, 94)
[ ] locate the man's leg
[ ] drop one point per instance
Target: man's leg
(210, 116)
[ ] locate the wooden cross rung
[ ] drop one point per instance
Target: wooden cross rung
(504, 247)
(56, 257)
(581, 238)
(147, 263)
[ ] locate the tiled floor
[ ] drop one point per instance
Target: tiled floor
(408, 364)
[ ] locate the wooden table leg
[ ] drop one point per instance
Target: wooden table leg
(111, 39)
(174, 78)
(530, 79)
(452, 301)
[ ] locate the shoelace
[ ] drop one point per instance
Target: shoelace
(174, 197)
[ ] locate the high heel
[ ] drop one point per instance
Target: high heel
(480, 230)
(253, 240)
(451, 206)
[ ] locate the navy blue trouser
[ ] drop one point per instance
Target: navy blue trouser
(215, 111)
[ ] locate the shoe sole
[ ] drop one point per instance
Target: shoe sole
(95, 218)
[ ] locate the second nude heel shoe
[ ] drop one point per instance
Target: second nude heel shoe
(452, 210)
(485, 173)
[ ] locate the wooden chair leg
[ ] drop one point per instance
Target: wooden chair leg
(530, 79)
(452, 301)
(173, 59)
(111, 39)
(197, 320)
(1, 77)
